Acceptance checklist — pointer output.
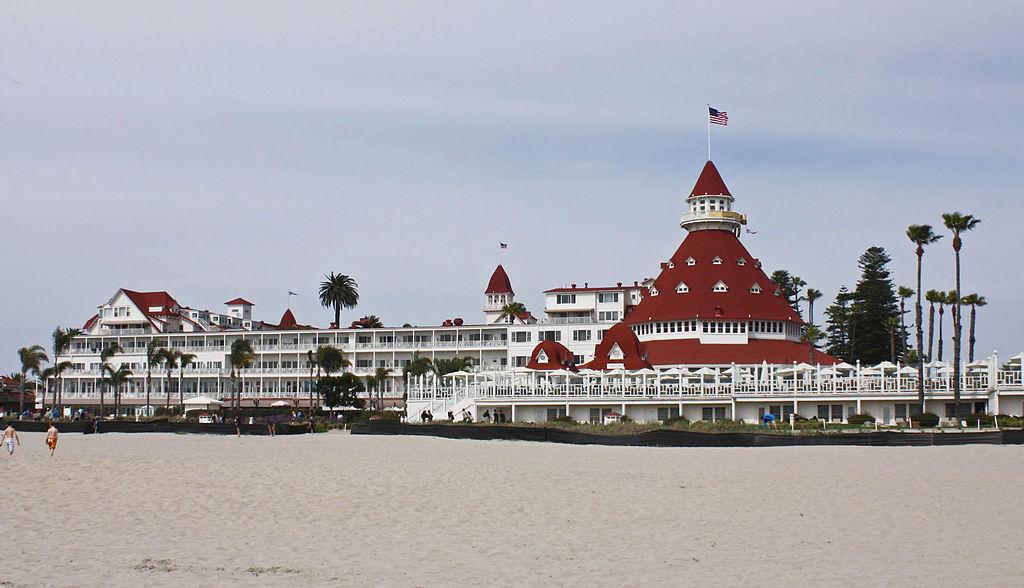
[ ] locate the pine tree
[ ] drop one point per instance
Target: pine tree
(837, 324)
(873, 307)
(790, 287)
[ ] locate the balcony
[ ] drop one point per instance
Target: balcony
(712, 215)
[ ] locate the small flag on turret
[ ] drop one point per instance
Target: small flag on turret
(718, 117)
(503, 245)
(290, 293)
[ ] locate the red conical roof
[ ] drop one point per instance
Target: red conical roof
(700, 301)
(710, 182)
(287, 320)
(499, 283)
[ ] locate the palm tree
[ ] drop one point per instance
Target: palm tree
(56, 372)
(330, 359)
(116, 379)
(455, 364)
(376, 382)
(62, 340)
(106, 353)
(512, 311)
(921, 235)
(154, 358)
(811, 336)
(338, 291)
(943, 300)
(811, 296)
(240, 358)
(184, 360)
(974, 301)
(32, 359)
(904, 293)
(169, 359)
(372, 322)
(958, 223)
(933, 297)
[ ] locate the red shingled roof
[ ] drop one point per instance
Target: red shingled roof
(710, 182)
(499, 283)
(701, 301)
(238, 301)
(287, 320)
(146, 300)
(558, 356)
(691, 351)
(634, 353)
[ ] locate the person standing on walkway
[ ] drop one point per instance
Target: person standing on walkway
(51, 438)
(10, 437)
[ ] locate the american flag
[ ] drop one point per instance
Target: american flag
(719, 117)
(503, 245)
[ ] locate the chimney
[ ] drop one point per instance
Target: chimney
(574, 286)
(618, 284)
(585, 284)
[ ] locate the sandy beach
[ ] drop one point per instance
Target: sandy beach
(335, 509)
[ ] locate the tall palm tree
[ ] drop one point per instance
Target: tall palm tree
(32, 359)
(169, 358)
(904, 293)
(811, 336)
(338, 291)
(892, 325)
(240, 358)
(512, 311)
(933, 297)
(62, 339)
(55, 373)
(372, 322)
(974, 301)
(922, 235)
(943, 301)
(184, 360)
(116, 379)
(154, 358)
(376, 383)
(811, 295)
(109, 351)
(959, 224)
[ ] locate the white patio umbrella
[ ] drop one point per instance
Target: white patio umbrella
(978, 363)
(280, 403)
(871, 371)
(458, 373)
(936, 364)
(563, 373)
(844, 366)
(886, 365)
(202, 401)
(908, 370)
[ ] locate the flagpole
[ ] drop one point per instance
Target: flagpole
(707, 113)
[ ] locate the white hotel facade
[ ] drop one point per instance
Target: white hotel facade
(710, 337)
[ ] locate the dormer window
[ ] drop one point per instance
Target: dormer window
(691, 261)
(741, 261)
(671, 264)
(682, 288)
(755, 289)
(616, 352)
(716, 260)
(542, 357)
(653, 291)
(720, 287)
(778, 292)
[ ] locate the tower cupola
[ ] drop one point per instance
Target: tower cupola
(709, 205)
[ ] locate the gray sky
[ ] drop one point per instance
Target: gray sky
(245, 149)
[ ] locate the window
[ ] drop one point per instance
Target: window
(556, 413)
(521, 360)
(542, 356)
(691, 261)
(601, 332)
(550, 335)
(615, 352)
(654, 291)
(721, 287)
(668, 412)
(741, 261)
(713, 413)
(755, 289)
(682, 288)
(608, 315)
(566, 299)
(581, 335)
(716, 260)
(521, 337)
(577, 359)
(608, 297)
(364, 363)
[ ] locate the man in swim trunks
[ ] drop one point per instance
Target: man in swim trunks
(10, 436)
(51, 438)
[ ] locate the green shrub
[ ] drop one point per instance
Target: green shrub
(986, 420)
(860, 419)
(563, 419)
(676, 421)
(927, 419)
(625, 419)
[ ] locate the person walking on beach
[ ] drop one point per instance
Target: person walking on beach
(51, 438)
(10, 437)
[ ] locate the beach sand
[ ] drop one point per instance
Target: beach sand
(163, 510)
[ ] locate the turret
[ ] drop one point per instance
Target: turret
(497, 295)
(709, 205)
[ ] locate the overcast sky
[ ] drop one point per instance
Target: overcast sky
(245, 149)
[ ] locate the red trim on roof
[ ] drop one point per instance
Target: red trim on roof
(692, 351)
(710, 182)
(701, 301)
(499, 282)
(590, 289)
(558, 356)
(239, 302)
